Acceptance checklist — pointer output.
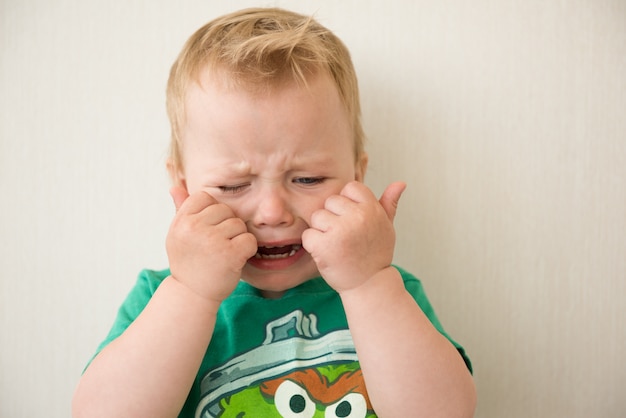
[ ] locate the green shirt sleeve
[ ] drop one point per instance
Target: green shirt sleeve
(414, 287)
(145, 286)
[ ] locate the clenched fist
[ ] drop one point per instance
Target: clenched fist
(207, 245)
(352, 237)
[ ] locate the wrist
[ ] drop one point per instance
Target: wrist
(381, 285)
(191, 296)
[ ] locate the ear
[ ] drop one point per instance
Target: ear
(176, 174)
(360, 167)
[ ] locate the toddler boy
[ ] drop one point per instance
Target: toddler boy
(280, 299)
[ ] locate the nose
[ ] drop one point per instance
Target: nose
(272, 208)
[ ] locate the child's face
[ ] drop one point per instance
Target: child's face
(273, 158)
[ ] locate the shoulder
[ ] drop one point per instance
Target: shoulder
(146, 284)
(406, 276)
(152, 278)
(411, 283)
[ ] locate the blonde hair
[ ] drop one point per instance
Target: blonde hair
(261, 48)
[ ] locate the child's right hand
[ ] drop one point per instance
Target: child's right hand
(207, 245)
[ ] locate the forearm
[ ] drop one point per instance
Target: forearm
(150, 368)
(410, 369)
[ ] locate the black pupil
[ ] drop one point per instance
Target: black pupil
(297, 403)
(344, 409)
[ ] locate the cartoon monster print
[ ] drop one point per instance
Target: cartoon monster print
(296, 372)
(332, 391)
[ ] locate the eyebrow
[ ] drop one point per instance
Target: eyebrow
(239, 169)
(235, 170)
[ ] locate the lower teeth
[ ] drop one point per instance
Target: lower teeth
(291, 253)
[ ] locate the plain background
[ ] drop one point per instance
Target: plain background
(507, 119)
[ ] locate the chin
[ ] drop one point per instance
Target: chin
(276, 282)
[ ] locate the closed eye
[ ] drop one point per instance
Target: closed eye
(233, 189)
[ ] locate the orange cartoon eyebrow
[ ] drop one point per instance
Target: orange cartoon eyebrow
(319, 387)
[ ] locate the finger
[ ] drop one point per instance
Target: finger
(231, 227)
(390, 198)
(357, 192)
(179, 195)
(321, 219)
(339, 204)
(352, 193)
(196, 202)
(309, 239)
(247, 243)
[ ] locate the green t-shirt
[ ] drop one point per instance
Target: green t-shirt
(292, 356)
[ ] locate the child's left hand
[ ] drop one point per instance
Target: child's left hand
(352, 238)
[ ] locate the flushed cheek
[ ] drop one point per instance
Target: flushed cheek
(313, 205)
(243, 208)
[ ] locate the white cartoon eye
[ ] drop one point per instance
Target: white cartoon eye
(352, 405)
(292, 401)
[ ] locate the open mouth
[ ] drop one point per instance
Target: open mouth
(275, 253)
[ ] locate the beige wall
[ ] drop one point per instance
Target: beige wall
(506, 118)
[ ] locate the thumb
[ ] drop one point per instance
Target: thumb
(390, 198)
(179, 195)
